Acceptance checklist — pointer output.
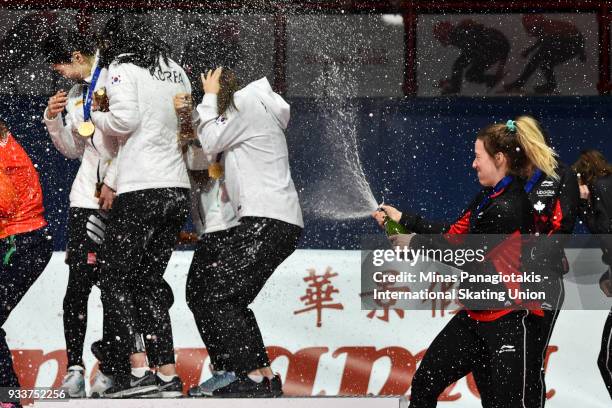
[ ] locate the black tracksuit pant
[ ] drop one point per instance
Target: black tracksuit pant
(85, 236)
(141, 234)
(605, 354)
(32, 252)
(544, 326)
(498, 353)
(221, 288)
(205, 259)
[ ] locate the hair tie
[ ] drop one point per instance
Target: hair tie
(511, 125)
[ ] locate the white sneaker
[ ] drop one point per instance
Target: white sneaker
(101, 383)
(74, 382)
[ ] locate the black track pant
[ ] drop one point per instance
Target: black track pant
(496, 352)
(85, 235)
(219, 293)
(141, 234)
(605, 354)
(543, 326)
(32, 252)
(205, 260)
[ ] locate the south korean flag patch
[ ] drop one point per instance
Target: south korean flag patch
(221, 120)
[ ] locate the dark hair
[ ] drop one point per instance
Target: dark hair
(61, 46)
(199, 59)
(229, 85)
(132, 34)
(591, 165)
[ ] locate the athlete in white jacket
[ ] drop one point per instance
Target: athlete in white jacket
(211, 210)
(75, 58)
(247, 126)
(152, 205)
(256, 157)
(215, 223)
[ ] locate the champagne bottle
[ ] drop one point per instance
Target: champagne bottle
(394, 227)
(186, 131)
(101, 99)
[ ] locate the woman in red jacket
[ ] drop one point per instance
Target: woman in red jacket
(25, 243)
(495, 343)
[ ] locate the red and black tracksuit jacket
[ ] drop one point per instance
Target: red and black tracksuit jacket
(498, 225)
(555, 207)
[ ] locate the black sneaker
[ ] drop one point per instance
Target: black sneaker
(170, 389)
(276, 386)
(134, 387)
(244, 387)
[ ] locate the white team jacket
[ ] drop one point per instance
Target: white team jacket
(95, 158)
(143, 121)
(211, 210)
(252, 138)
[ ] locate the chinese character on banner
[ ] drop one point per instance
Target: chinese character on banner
(442, 304)
(319, 293)
(386, 305)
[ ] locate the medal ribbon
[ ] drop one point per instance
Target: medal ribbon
(88, 99)
(533, 180)
(503, 183)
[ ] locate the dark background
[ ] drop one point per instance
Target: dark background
(436, 179)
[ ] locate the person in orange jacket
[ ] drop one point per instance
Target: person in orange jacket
(25, 243)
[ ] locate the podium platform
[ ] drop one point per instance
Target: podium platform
(285, 402)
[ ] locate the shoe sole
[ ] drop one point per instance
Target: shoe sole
(171, 394)
(97, 394)
(242, 395)
(145, 391)
(206, 394)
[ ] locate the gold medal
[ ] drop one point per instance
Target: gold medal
(101, 93)
(215, 170)
(86, 129)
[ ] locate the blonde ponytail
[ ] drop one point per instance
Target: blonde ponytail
(531, 139)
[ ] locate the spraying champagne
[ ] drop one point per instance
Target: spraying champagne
(392, 227)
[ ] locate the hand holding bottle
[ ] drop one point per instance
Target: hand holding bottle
(388, 218)
(391, 212)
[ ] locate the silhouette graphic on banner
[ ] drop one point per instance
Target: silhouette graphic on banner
(481, 48)
(557, 42)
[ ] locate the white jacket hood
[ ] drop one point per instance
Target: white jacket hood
(275, 103)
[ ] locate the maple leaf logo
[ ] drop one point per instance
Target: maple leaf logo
(539, 206)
